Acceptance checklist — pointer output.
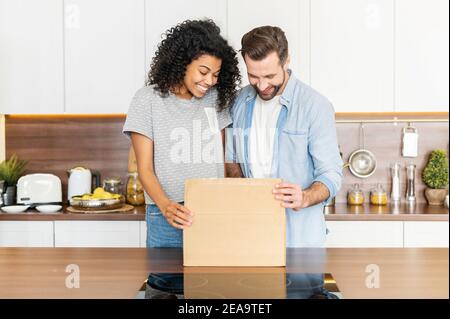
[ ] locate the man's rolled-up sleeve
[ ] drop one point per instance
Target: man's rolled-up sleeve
(324, 149)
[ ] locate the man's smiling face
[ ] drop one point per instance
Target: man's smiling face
(267, 76)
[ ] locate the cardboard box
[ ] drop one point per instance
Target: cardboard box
(237, 222)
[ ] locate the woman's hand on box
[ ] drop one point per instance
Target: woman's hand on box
(178, 215)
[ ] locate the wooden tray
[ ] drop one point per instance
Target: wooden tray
(124, 208)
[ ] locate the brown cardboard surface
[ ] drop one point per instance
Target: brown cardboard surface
(237, 222)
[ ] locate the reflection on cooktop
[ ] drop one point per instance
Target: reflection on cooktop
(273, 285)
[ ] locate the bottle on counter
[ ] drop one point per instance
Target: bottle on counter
(378, 196)
(395, 174)
(135, 191)
(355, 195)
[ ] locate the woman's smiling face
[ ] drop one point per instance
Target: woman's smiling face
(201, 74)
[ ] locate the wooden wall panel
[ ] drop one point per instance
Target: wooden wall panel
(385, 141)
(54, 144)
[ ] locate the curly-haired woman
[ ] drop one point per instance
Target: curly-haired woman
(176, 122)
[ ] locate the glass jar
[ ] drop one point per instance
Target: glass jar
(355, 196)
(113, 185)
(378, 196)
(135, 191)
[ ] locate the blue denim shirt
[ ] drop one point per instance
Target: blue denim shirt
(305, 151)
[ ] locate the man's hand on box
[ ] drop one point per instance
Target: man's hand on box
(290, 195)
(177, 215)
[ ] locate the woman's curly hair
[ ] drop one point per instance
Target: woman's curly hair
(186, 42)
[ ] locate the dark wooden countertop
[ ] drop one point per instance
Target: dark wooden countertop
(119, 272)
(339, 212)
(400, 212)
(138, 213)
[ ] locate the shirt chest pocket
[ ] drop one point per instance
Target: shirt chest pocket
(295, 145)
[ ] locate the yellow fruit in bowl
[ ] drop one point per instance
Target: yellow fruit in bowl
(99, 190)
(99, 193)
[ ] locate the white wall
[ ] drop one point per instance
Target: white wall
(2, 138)
(352, 50)
(104, 54)
(79, 56)
(31, 57)
(421, 55)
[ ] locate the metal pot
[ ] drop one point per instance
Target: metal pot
(2, 186)
(96, 204)
(362, 163)
(9, 196)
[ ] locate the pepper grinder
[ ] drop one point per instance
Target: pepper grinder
(411, 187)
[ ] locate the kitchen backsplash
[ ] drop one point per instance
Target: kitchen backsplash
(385, 141)
(54, 144)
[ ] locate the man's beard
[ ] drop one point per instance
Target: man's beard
(276, 89)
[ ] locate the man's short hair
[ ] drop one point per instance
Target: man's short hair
(261, 41)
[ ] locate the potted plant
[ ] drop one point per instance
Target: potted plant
(435, 176)
(10, 171)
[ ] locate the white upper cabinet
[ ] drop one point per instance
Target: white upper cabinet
(352, 53)
(104, 54)
(163, 15)
(421, 55)
(91, 56)
(244, 16)
(31, 57)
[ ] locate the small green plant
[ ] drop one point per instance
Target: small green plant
(435, 174)
(12, 169)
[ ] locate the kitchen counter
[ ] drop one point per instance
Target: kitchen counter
(119, 273)
(390, 212)
(402, 212)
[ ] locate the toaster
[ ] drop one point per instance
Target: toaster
(38, 189)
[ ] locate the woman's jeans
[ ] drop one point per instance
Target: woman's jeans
(159, 232)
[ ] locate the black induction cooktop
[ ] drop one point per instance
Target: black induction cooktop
(251, 285)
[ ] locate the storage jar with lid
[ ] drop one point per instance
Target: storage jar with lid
(135, 191)
(378, 196)
(355, 195)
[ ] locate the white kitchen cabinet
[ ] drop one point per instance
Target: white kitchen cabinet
(26, 233)
(97, 233)
(31, 57)
(163, 15)
(364, 234)
(352, 47)
(426, 234)
(143, 234)
(104, 54)
(421, 55)
(243, 16)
